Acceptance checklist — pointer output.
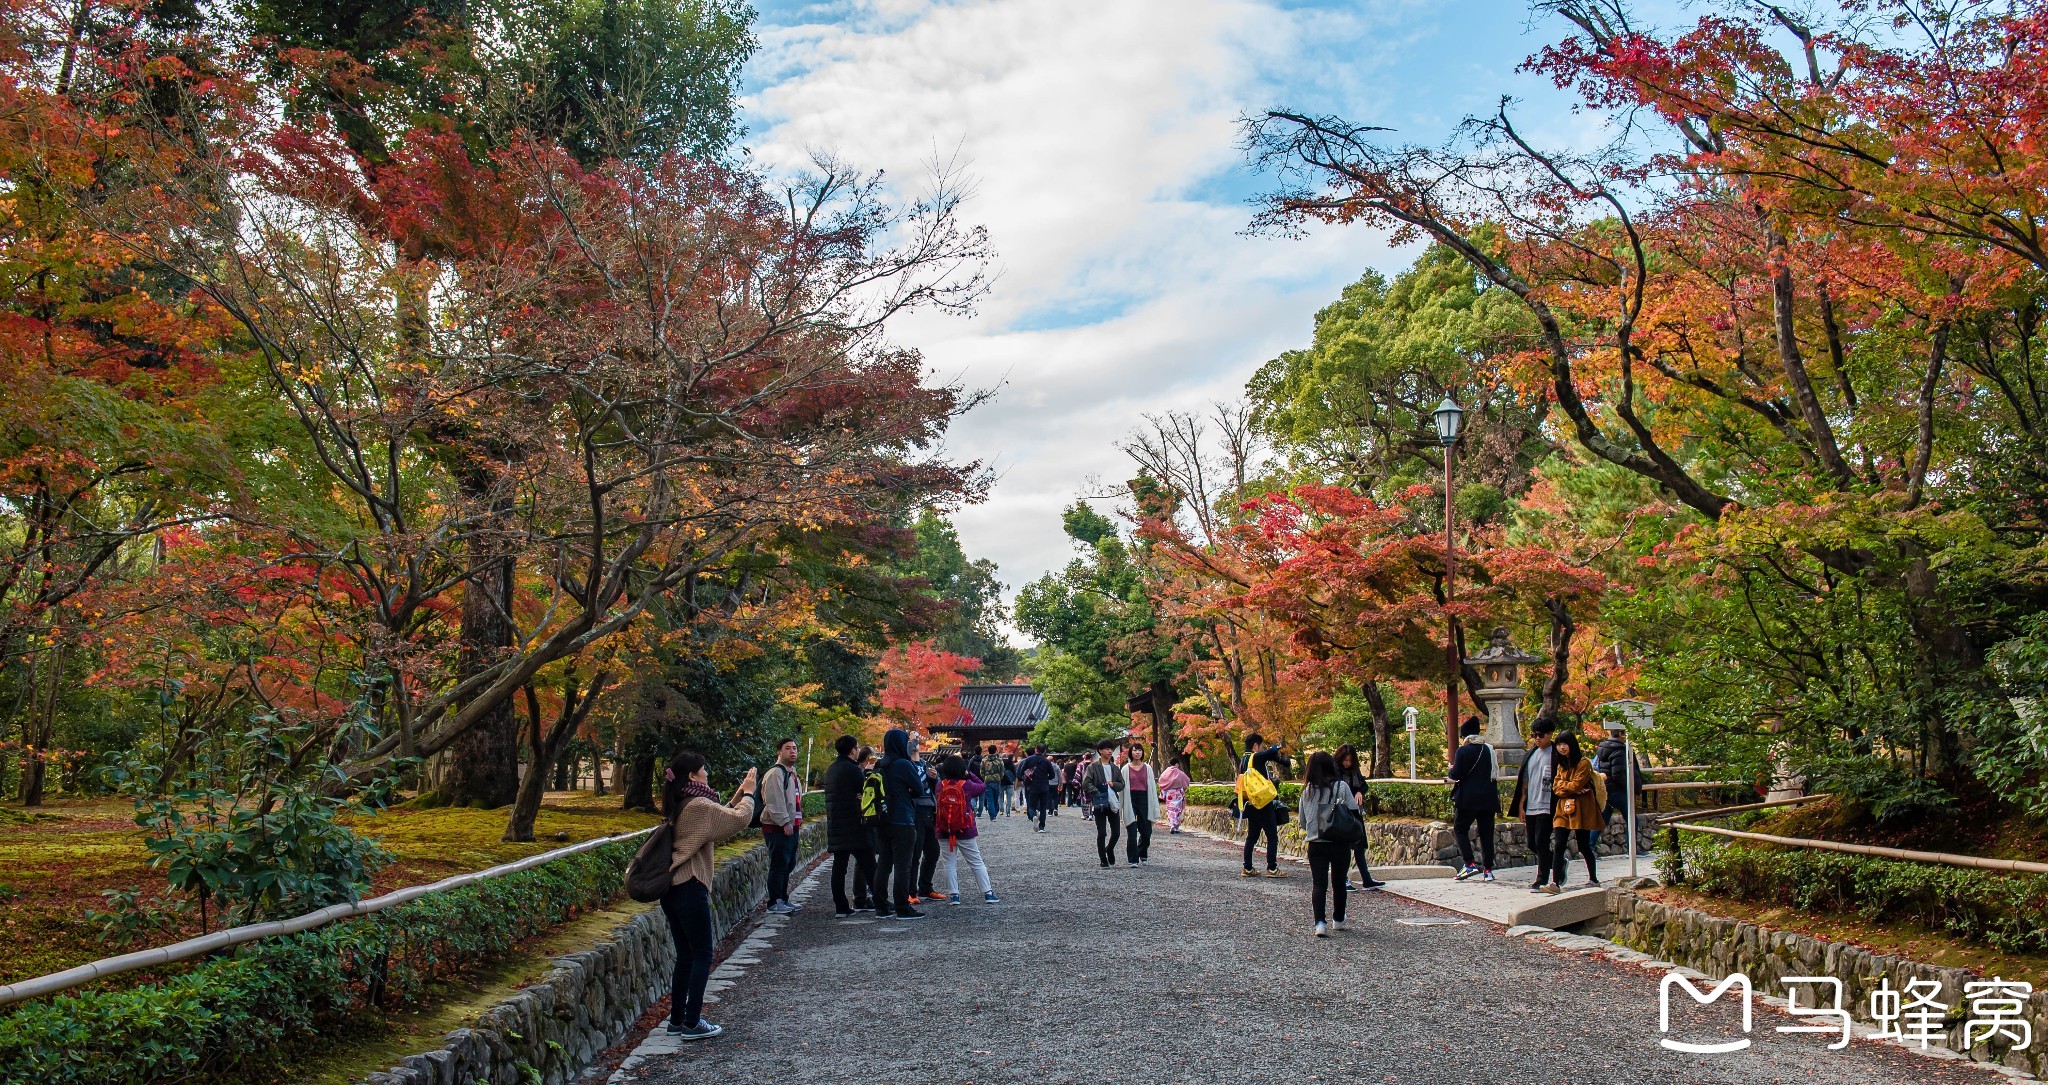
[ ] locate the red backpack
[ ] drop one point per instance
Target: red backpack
(953, 819)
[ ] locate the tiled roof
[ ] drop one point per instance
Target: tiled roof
(1009, 708)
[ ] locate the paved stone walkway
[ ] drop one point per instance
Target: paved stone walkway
(1183, 972)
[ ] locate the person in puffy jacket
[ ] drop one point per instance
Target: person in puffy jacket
(902, 784)
(845, 835)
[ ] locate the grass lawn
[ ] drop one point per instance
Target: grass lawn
(56, 860)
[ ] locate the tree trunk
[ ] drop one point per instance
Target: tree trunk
(35, 763)
(597, 773)
(636, 784)
(1382, 731)
(481, 768)
(546, 753)
(1164, 742)
(1561, 629)
(565, 773)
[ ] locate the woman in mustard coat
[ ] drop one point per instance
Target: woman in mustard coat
(1575, 811)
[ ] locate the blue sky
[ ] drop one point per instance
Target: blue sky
(1100, 136)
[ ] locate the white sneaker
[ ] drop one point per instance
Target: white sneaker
(780, 907)
(1340, 925)
(1322, 930)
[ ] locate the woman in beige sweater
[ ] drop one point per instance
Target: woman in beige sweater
(701, 824)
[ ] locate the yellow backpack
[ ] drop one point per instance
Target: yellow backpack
(1255, 790)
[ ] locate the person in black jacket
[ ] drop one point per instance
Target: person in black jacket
(1611, 760)
(903, 786)
(1038, 774)
(1354, 778)
(845, 836)
(1475, 798)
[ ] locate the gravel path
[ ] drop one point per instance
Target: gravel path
(950, 998)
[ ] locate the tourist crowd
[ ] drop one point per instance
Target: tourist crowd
(893, 817)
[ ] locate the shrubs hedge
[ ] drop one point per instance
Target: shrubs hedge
(2008, 912)
(1427, 801)
(229, 1014)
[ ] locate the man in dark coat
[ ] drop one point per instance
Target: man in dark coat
(1038, 773)
(904, 786)
(845, 834)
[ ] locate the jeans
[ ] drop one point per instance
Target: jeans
(992, 801)
(781, 861)
(898, 858)
(1108, 827)
(688, 909)
(1328, 864)
(1484, 818)
(1559, 856)
(928, 845)
(971, 849)
(863, 862)
(1539, 842)
(1358, 856)
(1258, 819)
(1140, 829)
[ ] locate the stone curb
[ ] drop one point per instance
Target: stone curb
(549, 1033)
(1622, 954)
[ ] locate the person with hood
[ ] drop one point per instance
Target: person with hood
(1474, 798)
(902, 785)
(701, 823)
(1039, 775)
(846, 833)
(1173, 790)
(1575, 812)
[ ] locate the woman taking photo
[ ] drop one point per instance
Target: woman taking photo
(1575, 811)
(1348, 771)
(701, 824)
(1322, 792)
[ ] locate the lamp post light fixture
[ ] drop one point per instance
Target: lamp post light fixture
(1449, 418)
(1410, 713)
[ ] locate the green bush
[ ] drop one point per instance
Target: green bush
(231, 1013)
(1225, 794)
(2008, 912)
(1428, 801)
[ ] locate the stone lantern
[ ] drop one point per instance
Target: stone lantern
(1500, 666)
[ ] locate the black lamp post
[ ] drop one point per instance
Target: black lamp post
(1449, 419)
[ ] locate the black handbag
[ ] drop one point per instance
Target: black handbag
(1344, 825)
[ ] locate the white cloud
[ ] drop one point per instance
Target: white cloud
(1101, 136)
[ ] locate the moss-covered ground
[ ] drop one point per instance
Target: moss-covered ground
(57, 860)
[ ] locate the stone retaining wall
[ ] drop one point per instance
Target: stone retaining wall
(557, 1027)
(1719, 947)
(1419, 843)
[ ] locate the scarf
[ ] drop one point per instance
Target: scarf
(692, 791)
